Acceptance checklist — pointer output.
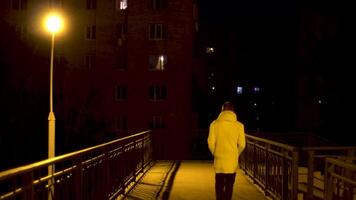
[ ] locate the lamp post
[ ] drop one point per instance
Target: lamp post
(53, 24)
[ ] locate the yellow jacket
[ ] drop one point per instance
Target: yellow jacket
(226, 141)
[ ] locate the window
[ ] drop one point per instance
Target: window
(157, 62)
(20, 30)
(157, 32)
(213, 89)
(91, 4)
(239, 90)
(120, 93)
(90, 32)
(209, 50)
(121, 30)
(157, 123)
(120, 123)
(121, 4)
(157, 4)
(256, 89)
(19, 4)
(89, 61)
(157, 93)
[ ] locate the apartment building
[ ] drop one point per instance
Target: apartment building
(121, 66)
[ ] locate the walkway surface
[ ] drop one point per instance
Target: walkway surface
(189, 180)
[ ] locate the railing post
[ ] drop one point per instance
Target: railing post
(123, 169)
(310, 183)
(78, 180)
(348, 193)
(328, 181)
(254, 168)
(285, 176)
(143, 153)
(27, 180)
(51, 181)
(106, 174)
(132, 161)
(266, 169)
(294, 177)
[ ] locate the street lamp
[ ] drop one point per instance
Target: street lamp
(53, 24)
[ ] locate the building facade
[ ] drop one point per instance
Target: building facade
(121, 66)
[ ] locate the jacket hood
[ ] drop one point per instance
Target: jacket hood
(227, 116)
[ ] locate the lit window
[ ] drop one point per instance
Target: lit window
(157, 122)
(91, 4)
(120, 93)
(157, 62)
(157, 93)
(120, 123)
(157, 4)
(256, 89)
(209, 50)
(213, 89)
(121, 4)
(90, 32)
(239, 90)
(322, 101)
(156, 32)
(19, 4)
(89, 61)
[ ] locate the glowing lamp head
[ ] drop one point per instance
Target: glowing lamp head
(53, 23)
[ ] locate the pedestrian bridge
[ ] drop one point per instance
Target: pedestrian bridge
(126, 169)
(190, 179)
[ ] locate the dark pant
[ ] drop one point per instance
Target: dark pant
(224, 184)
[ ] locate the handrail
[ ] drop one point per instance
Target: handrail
(341, 163)
(315, 157)
(24, 169)
(271, 142)
(340, 179)
(99, 172)
(272, 165)
(297, 139)
(329, 148)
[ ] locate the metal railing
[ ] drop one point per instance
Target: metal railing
(273, 166)
(340, 179)
(314, 162)
(296, 139)
(100, 172)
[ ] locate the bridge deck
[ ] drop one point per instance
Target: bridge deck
(188, 180)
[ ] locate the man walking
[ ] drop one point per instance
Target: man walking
(226, 141)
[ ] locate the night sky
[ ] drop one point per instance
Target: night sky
(279, 44)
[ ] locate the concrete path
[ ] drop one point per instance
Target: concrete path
(195, 180)
(188, 180)
(156, 183)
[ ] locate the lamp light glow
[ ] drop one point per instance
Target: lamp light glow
(53, 23)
